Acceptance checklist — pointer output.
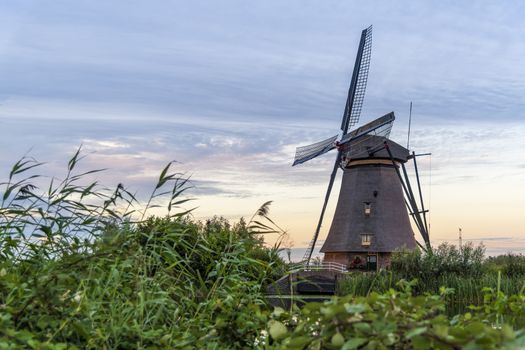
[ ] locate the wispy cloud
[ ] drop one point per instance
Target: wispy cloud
(229, 89)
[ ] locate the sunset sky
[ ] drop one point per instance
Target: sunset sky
(230, 88)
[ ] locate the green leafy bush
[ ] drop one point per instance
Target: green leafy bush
(397, 320)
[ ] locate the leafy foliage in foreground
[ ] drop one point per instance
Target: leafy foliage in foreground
(398, 320)
(84, 267)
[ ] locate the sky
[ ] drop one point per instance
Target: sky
(228, 89)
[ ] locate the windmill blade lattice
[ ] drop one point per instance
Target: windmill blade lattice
(369, 127)
(356, 92)
(305, 153)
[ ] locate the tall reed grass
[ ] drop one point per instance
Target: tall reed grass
(83, 266)
(465, 270)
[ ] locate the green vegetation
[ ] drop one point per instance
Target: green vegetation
(82, 266)
(465, 271)
(399, 320)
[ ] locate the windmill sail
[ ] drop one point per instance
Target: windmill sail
(356, 92)
(381, 122)
(305, 153)
(380, 126)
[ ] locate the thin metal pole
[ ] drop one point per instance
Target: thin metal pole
(409, 123)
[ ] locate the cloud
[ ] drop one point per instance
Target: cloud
(229, 90)
(202, 62)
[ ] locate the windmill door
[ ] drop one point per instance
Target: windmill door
(371, 262)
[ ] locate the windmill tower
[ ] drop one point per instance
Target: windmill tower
(371, 219)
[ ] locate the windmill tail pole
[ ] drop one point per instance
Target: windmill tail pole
(420, 192)
(422, 247)
(416, 209)
(410, 199)
(311, 247)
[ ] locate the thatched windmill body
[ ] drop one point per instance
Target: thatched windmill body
(371, 219)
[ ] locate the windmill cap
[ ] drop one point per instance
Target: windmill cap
(374, 147)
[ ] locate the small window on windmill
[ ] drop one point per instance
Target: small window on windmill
(368, 208)
(366, 239)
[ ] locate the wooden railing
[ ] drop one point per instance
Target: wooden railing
(323, 266)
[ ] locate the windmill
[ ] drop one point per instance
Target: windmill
(370, 218)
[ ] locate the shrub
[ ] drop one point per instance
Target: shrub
(445, 259)
(511, 265)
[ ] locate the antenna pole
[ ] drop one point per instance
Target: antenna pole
(460, 239)
(409, 124)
